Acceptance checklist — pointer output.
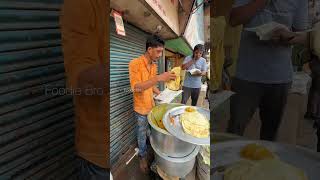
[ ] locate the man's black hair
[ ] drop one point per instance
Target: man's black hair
(154, 41)
(199, 47)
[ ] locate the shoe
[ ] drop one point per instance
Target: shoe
(144, 166)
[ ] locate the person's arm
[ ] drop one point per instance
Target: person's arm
(204, 70)
(81, 57)
(164, 77)
(300, 38)
(300, 23)
(141, 86)
(286, 37)
(187, 63)
(156, 90)
(137, 85)
(242, 14)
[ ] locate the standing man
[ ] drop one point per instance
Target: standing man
(313, 108)
(85, 46)
(192, 83)
(264, 69)
(143, 80)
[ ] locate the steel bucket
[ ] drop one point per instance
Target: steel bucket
(168, 144)
(179, 166)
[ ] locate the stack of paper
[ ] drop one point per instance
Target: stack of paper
(167, 96)
(265, 31)
(301, 83)
(194, 71)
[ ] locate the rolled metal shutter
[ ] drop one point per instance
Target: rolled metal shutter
(122, 51)
(36, 126)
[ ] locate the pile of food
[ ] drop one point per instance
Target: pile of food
(261, 164)
(158, 113)
(175, 84)
(194, 123)
(256, 152)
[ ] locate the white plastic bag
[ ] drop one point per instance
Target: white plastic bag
(301, 83)
(194, 71)
(264, 32)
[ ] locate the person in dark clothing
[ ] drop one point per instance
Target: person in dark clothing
(264, 71)
(313, 108)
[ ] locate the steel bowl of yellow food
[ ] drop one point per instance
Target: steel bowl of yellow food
(262, 160)
(163, 140)
(194, 123)
(260, 163)
(189, 123)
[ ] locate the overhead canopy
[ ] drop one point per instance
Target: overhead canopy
(140, 14)
(194, 32)
(178, 45)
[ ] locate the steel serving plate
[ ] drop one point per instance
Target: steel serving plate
(227, 153)
(166, 143)
(180, 166)
(176, 128)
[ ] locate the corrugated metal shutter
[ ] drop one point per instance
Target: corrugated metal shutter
(122, 51)
(36, 127)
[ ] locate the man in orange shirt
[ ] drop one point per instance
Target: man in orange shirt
(143, 80)
(84, 39)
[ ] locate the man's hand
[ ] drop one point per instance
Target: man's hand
(188, 64)
(300, 38)
(282, 36)
(167, 76)
(156, 90)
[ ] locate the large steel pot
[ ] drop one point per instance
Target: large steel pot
(179, 167)
(168, 144)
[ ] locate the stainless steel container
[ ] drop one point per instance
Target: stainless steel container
(179, 167)
(168, 144)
